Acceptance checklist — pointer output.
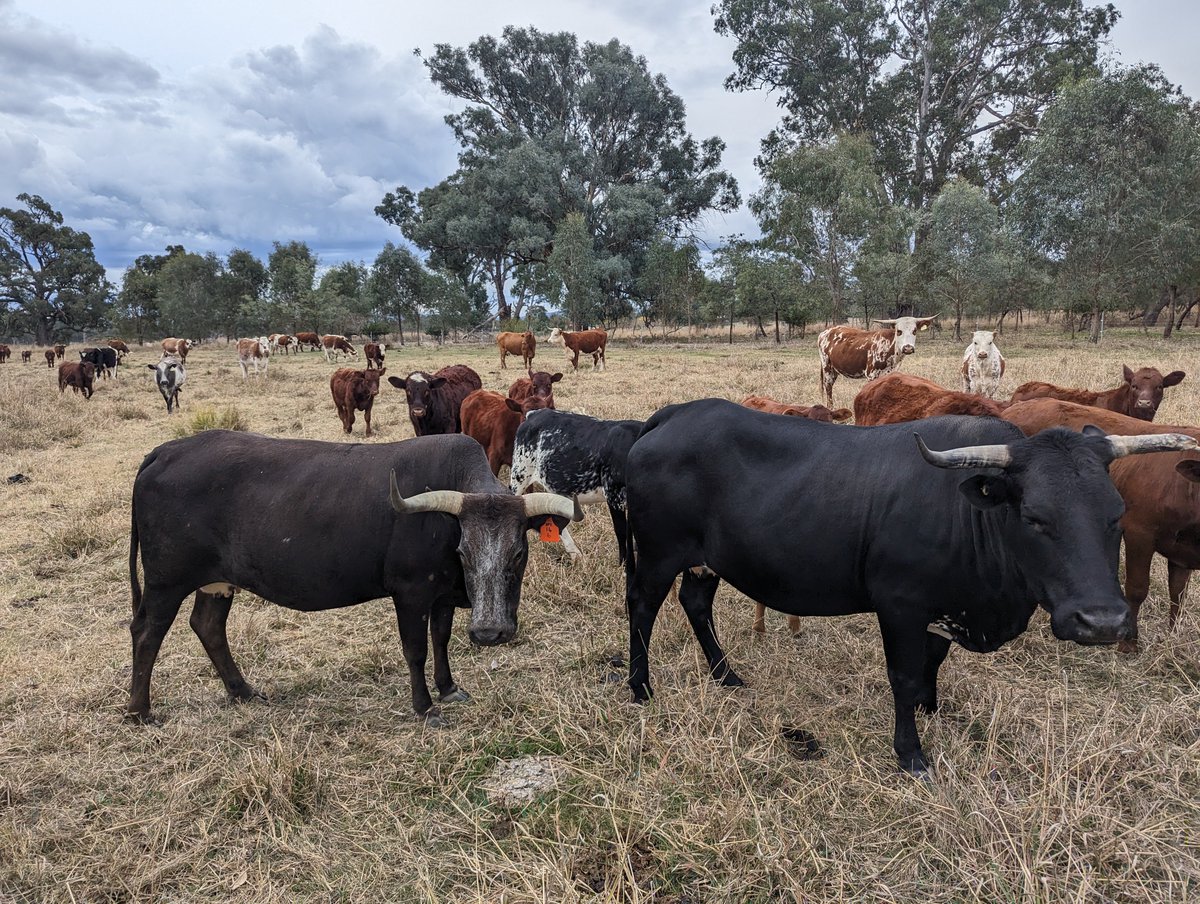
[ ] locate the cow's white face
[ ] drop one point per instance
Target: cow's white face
(556, 336)
(982, 344)
(264, 347)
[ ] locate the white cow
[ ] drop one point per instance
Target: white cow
(252, 351)
(982, 365)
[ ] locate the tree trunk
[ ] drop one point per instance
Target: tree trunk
(731, 324)
(1173, 295)
(400, 323)
(43, 332)
(958, 309)
(1094, 335)
(503, 311)
(1183, 315)
(417, 314)
(777, 339)
(1154, 311)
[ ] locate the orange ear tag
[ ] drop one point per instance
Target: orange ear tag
(549, 531)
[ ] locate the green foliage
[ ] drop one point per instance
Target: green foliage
(241, 297)
(574, 267)
(187, 291)
(670, 285)
(398, 286)
(341, 302)
(293, 268)
(50, 280)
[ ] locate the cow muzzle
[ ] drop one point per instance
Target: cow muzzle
(1144, 403)
(1094, 625)
(491, 635)
(418, 412)
(907, 349)
(982, 356)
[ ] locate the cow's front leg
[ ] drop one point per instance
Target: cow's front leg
(441, 622)
(904, 648)
(412, 618)
(936, 650)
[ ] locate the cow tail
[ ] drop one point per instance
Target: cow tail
(135, 587)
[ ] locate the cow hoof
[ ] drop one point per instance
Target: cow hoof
(730, 679)
(247, 694)
(434, 719)
(918, 769)
(145, 718)
(458, 695)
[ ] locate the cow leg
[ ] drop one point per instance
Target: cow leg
(414, 638)
(149, 626)
(828, 378)
(367, 418)
(348, 420)
(643, 598)
(696, 594)
(441, 621)
(620, 527)
(1177, 582)
(904, 647)
(1139, 551)
(209, 614)
(936, 650)
(760, 619)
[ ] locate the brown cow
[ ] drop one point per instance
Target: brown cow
(26, 355)
(434, 400)
(373, 352)
(846, 351)
(308, 341)
(900, 397)
(354, 390)
(1139, 396)
(5, 351)
(1162, 507)
(251, 351)
(60, 351)
(523, 344)
(49, 353)
(590, 342)
(539, 384)
(176, 348)
(281, 342)
(812, 412)
(78, 376)
(492, 421)
(120, 346)
(335, 345)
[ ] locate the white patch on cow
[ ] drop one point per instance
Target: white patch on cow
(219, 588)
(416, 378)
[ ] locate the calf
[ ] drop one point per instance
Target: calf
(373, 352)
(590, 342)
(5, 352)
(1139, 396)
(434, 400)
(812, 412)
(982, 365)
(900, 397)
(78, 376)
(281, 342)
(846, 351)
(26, 356)
(582, 456)
(169, 377)
(354, 390)
(337, 345)
(308, 341)
(60, 351)
(120, 346)
(523, 344)
(492, 421)
(540, 384)
(251, 351)
(50, 356)
(104, 360)
(176, 348)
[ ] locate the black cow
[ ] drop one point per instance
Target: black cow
(813, 521)
(169, 376)
(575, 455)
(103, 359)
(198, 519)
(434, 399)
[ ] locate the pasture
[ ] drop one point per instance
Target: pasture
(1063, 773)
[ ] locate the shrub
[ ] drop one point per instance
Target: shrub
(211, 419)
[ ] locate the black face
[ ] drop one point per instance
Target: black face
(418, 388)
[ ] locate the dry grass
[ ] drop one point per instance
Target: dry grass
(1064, 773)
(208, 418)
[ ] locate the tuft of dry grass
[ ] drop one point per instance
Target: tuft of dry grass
(211, 419)
(1063, 773)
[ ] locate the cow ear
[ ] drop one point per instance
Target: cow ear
(437, 382)
(512, 405)
(555, 378)
(1092, 430)
(380, 372)
(1189, 469)
(1128, 373)
(398, 382)
(152, 366)
(1174, 378)
(986, 492)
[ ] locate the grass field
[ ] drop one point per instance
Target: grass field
(1063, 773)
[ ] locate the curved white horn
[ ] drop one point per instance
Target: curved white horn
(967, 456)
(1153, 442)
(448, 501)
(551, 504)
(884, 322)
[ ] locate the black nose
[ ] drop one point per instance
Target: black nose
(490, 637)
(1100, 624)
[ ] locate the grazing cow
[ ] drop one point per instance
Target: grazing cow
(447, 535)
(523, 344)
(434, 400)
(5, 352)
(900, 397)
(354, 390)
(120, 346)
(169, 376)
(176, 348)
(1139, 396)
(337, 345)
(308, 341)
(540, 384)
(982, 365)
(869, 520)
(1162, 506)
(812, 412)
(60, 351)
(251, 351)
(78, 376)
(373, 352)
(50, 356)
(280, 342)
(846, 351)
(104, 360)
(26, 356)
(492, 420)
(577, 456)
(590, 342)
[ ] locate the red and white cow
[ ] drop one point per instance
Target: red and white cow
(335, 345)
(847, 351)
(982, 365)
(251, 351)
(176, 348)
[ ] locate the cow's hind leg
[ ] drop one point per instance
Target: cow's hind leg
(150, 625)
(1139, 552)
(209, 615)
(414, 638)
(644, 596)
(441, 622)
(1177, 582)
(904, 647)
(696, 593)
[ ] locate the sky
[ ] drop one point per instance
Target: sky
(222, 124)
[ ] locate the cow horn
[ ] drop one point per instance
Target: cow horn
(448, 501)
(967, 456)
(884, 322)
(552, 504)
(1153, 442)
